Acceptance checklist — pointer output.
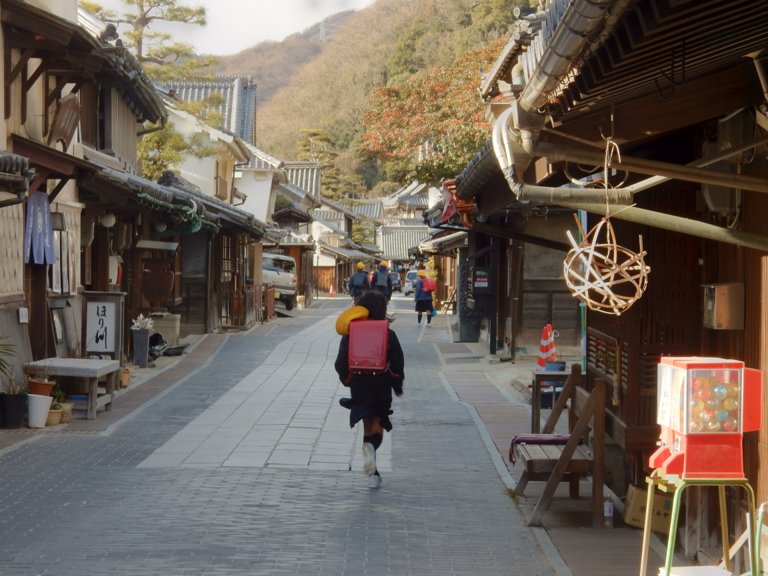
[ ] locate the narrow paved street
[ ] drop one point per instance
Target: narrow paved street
(248, 466)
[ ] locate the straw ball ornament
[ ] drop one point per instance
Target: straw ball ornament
(607, 277)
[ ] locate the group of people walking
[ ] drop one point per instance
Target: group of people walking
(370, 398)
(360, 282)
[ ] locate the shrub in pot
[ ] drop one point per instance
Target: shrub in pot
(13, 400)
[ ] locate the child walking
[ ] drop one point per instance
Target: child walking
(371, 399)
(423, 300)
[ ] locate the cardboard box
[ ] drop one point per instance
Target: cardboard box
(634, 509)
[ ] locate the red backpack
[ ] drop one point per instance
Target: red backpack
(368, 346)
(428, 284)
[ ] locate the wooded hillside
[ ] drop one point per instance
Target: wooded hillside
(272, 64)
(322, 79)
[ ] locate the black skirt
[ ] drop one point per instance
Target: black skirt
(424, 305)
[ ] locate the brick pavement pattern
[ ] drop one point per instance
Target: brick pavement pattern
(248, 466)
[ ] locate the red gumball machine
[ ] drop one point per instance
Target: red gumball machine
(704, 407)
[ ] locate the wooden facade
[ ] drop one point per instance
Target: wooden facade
(686, 111)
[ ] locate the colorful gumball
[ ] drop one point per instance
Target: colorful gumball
(730, 404)
(713, 403)
(712, 425)
(720, 391)
(696, 426)
(707, 415)
(731, 425)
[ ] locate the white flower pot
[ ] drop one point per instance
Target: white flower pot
(37, 410)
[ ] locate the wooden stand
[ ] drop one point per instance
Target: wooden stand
(678, 485)
(86, 372)
(569, 461)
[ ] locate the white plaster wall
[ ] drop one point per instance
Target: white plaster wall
(61, 8)
(260, 201)
(200, 171)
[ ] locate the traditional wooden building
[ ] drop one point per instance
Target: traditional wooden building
(662, 106)
(76, 103)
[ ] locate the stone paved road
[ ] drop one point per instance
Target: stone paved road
(248, 466)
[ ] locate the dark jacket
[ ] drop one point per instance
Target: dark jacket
(386, 290)
(372, 394)
(358, 283)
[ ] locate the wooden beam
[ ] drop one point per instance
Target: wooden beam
(41, 176)
(7, 79)
(20, 65)
(57, 189)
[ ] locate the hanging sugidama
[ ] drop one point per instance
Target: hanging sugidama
(607, 277)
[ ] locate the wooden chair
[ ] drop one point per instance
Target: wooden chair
(546, 457)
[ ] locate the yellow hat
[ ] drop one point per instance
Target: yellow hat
(354, 313)
(360, 265)
(420, 273)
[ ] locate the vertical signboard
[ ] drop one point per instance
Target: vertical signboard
(103, 325)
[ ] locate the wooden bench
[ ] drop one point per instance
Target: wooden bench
(86, 372)
(567, 458)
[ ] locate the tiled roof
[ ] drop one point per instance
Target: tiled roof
(262, 160)
(420, 201)
(287, 236)
(372, 248)
(395, 241)
(333, 227)
(404, 222)
(435, 243)
(305, 175)
(372, 209)
(238, 101)
(328, 216)
(338, 207)
(343, 253)
(293, 193)
(175, 196)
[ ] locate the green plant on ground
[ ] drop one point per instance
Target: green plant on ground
(7, 354)
(58, 398)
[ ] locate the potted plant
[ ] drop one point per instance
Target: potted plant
(39, 383)
(124, 373)
(13, 402)
(140, 328)
(56, 411)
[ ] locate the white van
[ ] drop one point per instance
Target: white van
(411, 278)
(280, 270)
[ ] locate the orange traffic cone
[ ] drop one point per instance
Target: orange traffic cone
(547, 349)
(331, 293)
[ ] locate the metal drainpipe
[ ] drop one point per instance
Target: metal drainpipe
(528, 192)
(654, 167)
(679, 224)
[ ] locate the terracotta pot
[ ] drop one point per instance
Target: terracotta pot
(39, 386)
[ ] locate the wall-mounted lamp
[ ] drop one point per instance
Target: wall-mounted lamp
(57, 221)
(160, 226)
(108, 219)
